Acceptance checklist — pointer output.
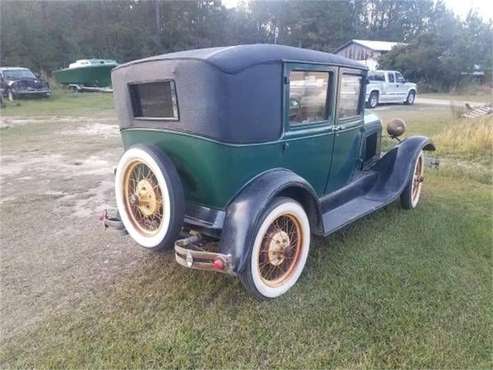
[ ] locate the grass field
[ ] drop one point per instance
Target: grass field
(60, 103)
(397, 289)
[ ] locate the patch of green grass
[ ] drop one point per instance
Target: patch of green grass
(464, 146)
(62, 102)
(398, 289)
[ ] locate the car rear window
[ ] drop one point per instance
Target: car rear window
(376, 76)
(154, 100)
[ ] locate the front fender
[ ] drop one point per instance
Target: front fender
(394, 168)
(243, 214)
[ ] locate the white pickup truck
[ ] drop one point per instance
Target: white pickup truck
(389, 87)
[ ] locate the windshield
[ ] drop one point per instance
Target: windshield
(17, 74)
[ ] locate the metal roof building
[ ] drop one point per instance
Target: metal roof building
(366, 51)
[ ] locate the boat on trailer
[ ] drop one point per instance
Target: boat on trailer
(87, 75)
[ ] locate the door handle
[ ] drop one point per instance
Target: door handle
(338, 128)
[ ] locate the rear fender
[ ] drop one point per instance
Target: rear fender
(244, 213)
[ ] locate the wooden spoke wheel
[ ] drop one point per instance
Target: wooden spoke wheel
(149, 197)
(144, 200)
(412, 192)
(417, 180)
(279, 251)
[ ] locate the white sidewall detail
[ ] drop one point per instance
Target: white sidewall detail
(128, 157)
(296, 210)
(415, 201)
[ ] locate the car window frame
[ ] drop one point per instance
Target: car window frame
(393, 77)
(329, 120)
(143, 118)
(361, 98)
(397, 78)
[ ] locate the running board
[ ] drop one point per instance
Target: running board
(337, 218)
(360, 198)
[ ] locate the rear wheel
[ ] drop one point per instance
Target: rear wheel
(412, 192)
(149, 197)
(280, 250)
(373, 99)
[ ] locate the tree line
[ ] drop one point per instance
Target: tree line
(46, 35)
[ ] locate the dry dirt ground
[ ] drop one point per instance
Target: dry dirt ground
(56, 177)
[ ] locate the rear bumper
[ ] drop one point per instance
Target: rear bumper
(189, 253)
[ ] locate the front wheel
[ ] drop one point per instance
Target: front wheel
(280, 250)
(149, 197)
(411, 98)
(11, 95)
(412, 191)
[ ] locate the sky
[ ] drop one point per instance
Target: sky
(460, 7)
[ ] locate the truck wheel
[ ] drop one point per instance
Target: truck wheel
(411, 97)
(373, 99)
(280, 249)
(149, 197)
(11, 96)
(412, 191)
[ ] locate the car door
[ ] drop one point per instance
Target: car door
(348, 128)
(309, 98)
(401, 86)
(392, 89)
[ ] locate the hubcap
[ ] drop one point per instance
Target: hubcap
(143, 197)
(280, 250)
(146, 197)
(277, 246)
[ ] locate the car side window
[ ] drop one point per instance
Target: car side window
(391, 77)
(376, 76)
(307, 97)
(349, 96)
(399, 77)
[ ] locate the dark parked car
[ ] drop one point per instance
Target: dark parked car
(16, 82)
(235, 156)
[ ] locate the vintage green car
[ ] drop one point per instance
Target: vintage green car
(234, 156)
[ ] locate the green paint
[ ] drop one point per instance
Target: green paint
(91, 75)
(212, 173)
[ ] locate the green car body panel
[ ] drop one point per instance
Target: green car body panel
(213, 172)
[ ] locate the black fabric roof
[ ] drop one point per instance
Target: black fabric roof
(233, 59)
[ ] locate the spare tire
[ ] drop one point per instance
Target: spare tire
(149, 197)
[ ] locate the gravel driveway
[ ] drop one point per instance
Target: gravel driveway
(56, 177)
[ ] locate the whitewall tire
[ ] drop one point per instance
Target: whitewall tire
(280, 250)
(412, 192)
(149, 197)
